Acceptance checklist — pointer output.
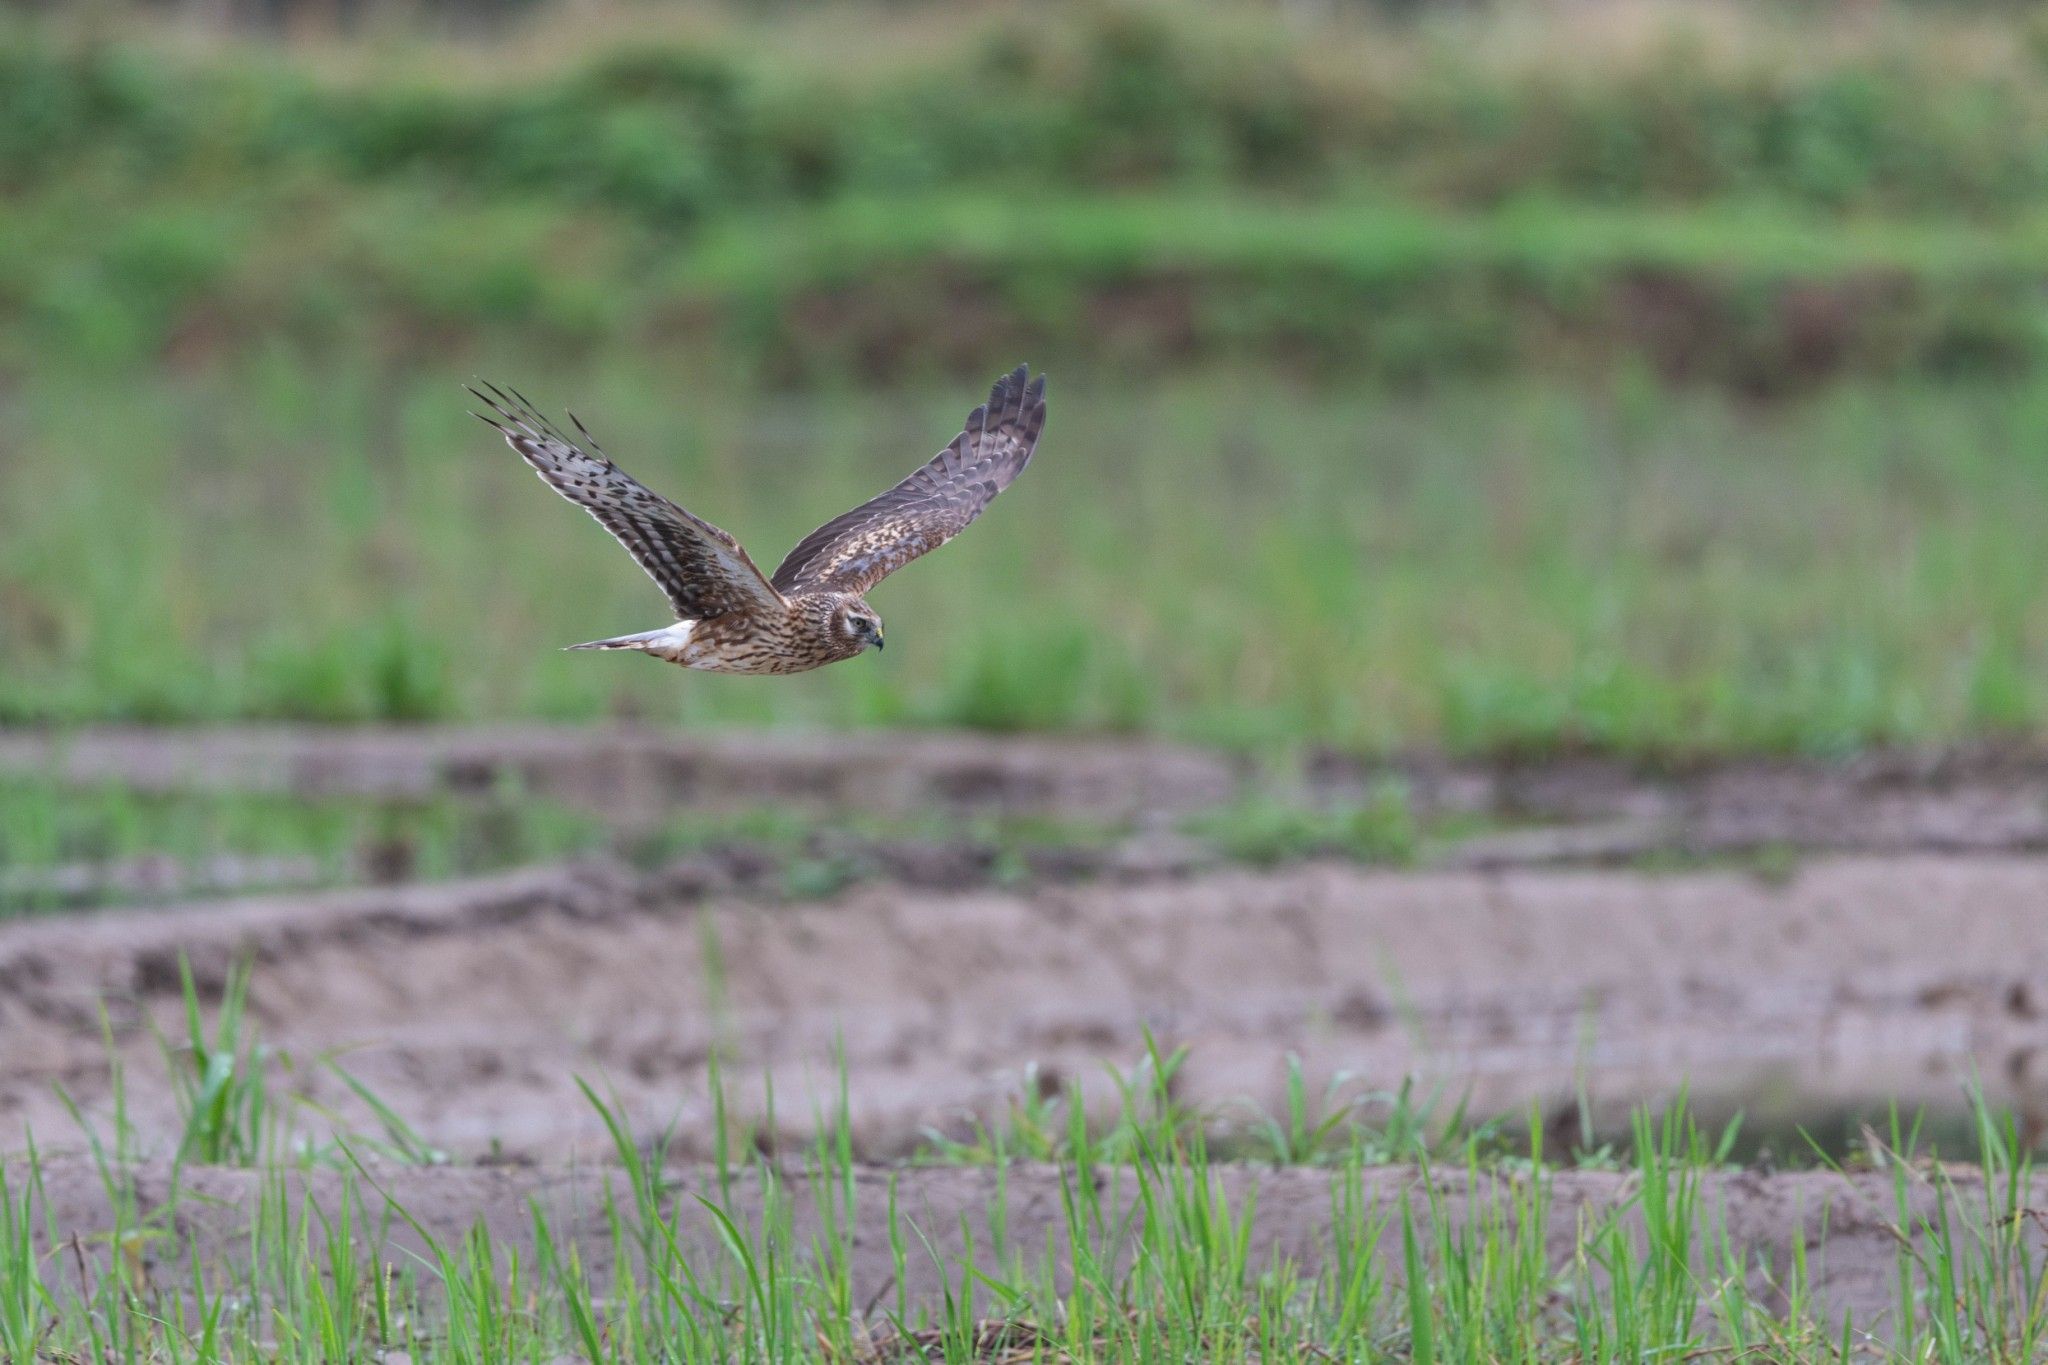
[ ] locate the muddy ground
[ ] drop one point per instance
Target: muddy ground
(1893, 946)
(472, 1008)
(626, 772)
(1986, 799)
(1847, 1224)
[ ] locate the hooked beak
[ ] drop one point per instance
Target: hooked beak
(878, 640)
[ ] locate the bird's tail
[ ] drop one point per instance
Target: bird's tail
(618, 642)
(666, 641)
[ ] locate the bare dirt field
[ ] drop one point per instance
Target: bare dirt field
(1900, 970)
(473, 1007)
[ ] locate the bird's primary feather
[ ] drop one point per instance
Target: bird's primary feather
(857, 549)
(700, 568)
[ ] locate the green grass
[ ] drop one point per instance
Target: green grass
(681, 117)
(1264, 829)
(1656, 1277)
(1746, 292)
(1547, 246)
(1483, 568)
(1128, 183)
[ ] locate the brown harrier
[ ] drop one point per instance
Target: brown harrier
(812, 612)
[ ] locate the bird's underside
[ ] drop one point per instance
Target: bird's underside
(732, 618)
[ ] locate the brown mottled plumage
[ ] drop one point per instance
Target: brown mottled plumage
(731, 618)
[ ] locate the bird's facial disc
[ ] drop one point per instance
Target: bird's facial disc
(863, 626)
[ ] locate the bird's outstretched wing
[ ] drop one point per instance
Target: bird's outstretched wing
(701, 569)
(856, 550)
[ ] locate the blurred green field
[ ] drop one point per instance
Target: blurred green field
(1668, 380)
(1757, 196)
(1223, 559)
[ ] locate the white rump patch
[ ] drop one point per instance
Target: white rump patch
(672, 637)
(667, 642)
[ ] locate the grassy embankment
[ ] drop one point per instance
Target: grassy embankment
(799, 196)
(1363, 343)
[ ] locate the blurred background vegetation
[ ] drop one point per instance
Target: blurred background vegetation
(1658, 376)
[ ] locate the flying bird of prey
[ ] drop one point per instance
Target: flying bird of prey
(732, 618)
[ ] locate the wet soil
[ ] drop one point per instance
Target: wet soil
(1982, 799)
(473, 1007)
(625, 772)
(1844, 1223)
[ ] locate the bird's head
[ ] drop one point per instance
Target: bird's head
(857, 621)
